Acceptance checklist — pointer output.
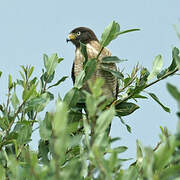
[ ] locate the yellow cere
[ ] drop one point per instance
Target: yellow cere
(71, 36)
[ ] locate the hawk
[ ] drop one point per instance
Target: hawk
(93, 47)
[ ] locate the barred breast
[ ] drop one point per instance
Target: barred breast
(110, 82)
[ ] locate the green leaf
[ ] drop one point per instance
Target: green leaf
(96, 87)
(127, 31)
(72, 97)
(164, 152)
(125, 108)
(175, 53)
(91, 105)
(90, 68)
(119, 149)
(162, 73)
(127, 126)
(24, 131)
(43, 150)
(2, 173)
(175, 93)
(14, 100)
(112, 59)
(45, 59)
(157, 65)
(0, 73)
(109, 33)
(84, 53)
(139, 153)
(10, 84)
(79, 80)
(45, 128)
(50, 63)
(138, 96)
(117, 74)
(59, 82)
(157, 100)
(38, 103)
(28, 93)
(102, 124)
(171, 172)
(30, 71)
(177, 57)
(59, 127)
(60, 118)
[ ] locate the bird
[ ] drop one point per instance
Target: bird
(87, 36)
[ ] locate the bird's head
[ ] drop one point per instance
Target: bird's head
(81, 34)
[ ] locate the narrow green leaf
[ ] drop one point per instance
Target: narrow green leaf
(117, 74)
(90, 68)
(84, 53)
(127, 31)
(157, 100)
(79, 80)
(175, 93)
(175, 53)
(112, 59)
(10, 84)
(125, 108)
(91, 105)
(162, 73)
(119, 149)
(157, 65)
(45, 59)
(30, 72)
(60, 59)
(102, 124)
(58, 82)
(60, 118)
(139, 153)
(59, 126)
(0, 73)
(127, 126)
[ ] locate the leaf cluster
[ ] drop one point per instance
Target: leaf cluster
(74, 139)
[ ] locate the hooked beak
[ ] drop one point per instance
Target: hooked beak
(70, 37)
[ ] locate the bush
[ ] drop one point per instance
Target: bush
(75, 144)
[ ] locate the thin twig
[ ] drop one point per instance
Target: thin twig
(152, 83)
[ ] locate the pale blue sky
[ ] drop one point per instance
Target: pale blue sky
(30, 28)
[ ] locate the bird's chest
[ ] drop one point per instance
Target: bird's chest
(92, 51)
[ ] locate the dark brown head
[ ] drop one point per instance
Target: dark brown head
(81, 34)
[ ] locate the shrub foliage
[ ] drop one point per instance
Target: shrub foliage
(74, 143)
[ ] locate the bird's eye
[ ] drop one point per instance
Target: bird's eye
(78, 33)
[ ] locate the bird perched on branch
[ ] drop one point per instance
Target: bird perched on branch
(93, 47)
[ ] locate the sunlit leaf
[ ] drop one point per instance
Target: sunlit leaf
(156, 68)
(10, 83)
